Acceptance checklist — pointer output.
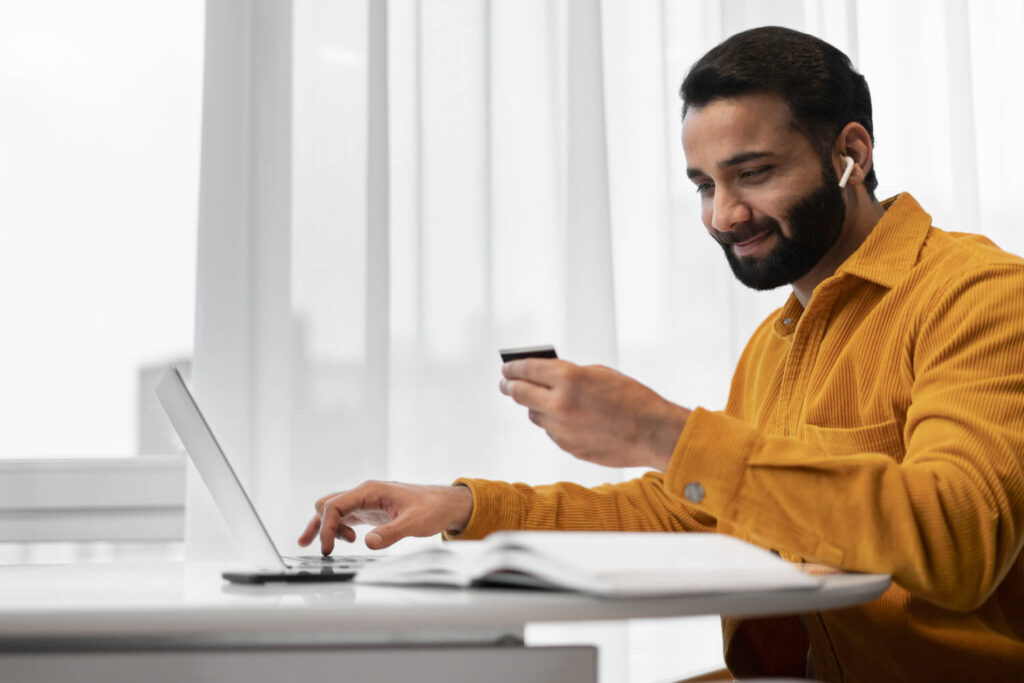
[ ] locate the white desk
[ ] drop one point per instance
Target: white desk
(175, 621)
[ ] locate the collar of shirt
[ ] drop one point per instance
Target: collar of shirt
(885, 257)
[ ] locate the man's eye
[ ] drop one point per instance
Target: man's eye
(755, 172)
(702, 188)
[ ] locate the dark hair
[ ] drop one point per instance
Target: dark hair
(817, 81)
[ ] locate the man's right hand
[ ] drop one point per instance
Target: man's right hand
(396, 510)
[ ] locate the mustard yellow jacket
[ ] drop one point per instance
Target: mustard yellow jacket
(881, 429)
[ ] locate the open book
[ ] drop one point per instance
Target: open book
(610, 564)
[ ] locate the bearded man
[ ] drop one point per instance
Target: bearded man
(875, 422)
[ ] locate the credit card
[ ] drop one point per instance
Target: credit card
(542, 351)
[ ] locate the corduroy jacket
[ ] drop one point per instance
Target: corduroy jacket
(881, 429)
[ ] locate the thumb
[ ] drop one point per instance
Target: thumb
(386, 534)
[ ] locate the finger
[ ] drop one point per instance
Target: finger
(319, 505)
(310, 532)
(544, 371)
(345, 532)
(366, 496)
(327, 528)
(528, 394)
(363, 497)
(387, 534)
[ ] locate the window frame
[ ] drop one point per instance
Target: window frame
(140, 498)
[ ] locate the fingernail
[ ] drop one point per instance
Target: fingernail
(374, 538)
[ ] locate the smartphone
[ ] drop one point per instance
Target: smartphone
(542, 351)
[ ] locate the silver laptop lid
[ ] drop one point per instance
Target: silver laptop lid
(213, 466)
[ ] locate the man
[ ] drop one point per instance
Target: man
(875, 422)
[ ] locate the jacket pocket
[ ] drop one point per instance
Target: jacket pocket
(885, 437)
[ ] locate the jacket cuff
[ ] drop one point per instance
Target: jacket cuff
(709, 461)
(495, 506)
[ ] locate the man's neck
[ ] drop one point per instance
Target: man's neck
(861, 219)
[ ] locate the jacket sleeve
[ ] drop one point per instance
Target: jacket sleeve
(638, 505)
(947, 522)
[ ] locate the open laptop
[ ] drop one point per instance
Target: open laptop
(235, 504)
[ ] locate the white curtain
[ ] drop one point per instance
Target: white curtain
(393, 190)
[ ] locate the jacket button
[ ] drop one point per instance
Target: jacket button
(694, 492)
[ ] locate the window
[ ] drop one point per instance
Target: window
(100, 127)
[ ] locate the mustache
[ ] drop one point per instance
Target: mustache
(746, 232)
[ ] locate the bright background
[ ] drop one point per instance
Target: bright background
(99, 165)
(181, 182)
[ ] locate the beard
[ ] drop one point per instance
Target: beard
(815, 221)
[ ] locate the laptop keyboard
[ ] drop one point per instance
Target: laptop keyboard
(335, 561)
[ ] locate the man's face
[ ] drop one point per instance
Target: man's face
(767, 197)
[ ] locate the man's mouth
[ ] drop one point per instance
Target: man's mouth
(751, 245)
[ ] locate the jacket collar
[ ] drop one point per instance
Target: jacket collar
(885, 257)
(892, 247)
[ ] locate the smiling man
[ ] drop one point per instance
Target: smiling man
(875, 422)
(779, 219)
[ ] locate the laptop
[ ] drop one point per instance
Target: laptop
(234, 503)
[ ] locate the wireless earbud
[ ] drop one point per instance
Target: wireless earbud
(847, 172)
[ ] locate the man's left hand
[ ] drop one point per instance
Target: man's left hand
(596, 413)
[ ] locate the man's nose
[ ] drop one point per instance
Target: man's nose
(728, 211)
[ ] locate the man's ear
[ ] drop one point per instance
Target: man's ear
(854, 142)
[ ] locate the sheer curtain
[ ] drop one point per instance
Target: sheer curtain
(393, 190)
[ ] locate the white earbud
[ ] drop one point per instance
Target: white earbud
(847, 172)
